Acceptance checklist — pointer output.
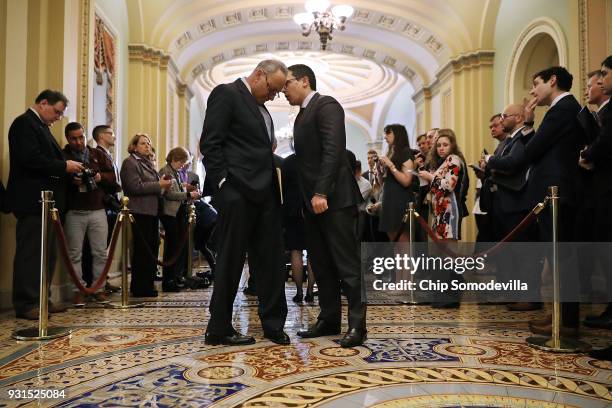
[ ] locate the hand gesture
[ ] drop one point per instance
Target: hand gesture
(319, 204)
(425, 175)
(386, 161)
(530, 106)
(73, 166)
(195, 195)
(165, 184)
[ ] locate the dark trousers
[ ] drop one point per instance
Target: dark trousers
(174, 232)
(570, 311)
(529, 264)
(26, 264)
(334, 252)
(144, 266)
(242, 226)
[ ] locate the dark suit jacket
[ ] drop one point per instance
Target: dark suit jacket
(36, 164)
(600, 152)
(320, 146)
(553, 152)
(508, 161)
(235, 143)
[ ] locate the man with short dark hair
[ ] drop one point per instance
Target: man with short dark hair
(330, 195)
(551, 155)
(86, 214)
(36, 164)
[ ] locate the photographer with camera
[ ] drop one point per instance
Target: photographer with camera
(86, 209)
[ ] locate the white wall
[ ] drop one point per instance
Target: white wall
(402, 111)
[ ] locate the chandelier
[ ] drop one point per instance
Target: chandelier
(318, 18)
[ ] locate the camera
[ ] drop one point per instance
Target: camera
(87, 177)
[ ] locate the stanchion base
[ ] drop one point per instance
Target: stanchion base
(119, 305)
(567, 345)
(32, 334)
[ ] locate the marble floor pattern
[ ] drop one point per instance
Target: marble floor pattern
(415, 356)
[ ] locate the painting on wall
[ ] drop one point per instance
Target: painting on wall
(104, 97)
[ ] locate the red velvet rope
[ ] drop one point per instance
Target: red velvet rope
(521, 226)
(59, 230)
(174, 258)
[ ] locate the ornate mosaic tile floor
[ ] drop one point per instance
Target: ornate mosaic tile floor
(416, 356)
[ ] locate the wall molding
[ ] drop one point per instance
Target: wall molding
(541, 25)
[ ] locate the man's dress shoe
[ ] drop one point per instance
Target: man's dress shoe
(277, 336)
(601, 322)
(320, 328)
(353, 338)
(234, 339)
(524, 306)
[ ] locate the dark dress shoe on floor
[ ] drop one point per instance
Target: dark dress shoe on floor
(354, 338)
(524, 306)
(602, 354)
(297, 298)
(320, 328)
(309, 298)
(234, 339)
(31, 314)
(601, 322)
(278, 337)
(146, 293)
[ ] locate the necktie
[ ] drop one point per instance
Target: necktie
(299, 115)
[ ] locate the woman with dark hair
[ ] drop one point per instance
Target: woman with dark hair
(174, 217)
(397, 165)
(143, 186)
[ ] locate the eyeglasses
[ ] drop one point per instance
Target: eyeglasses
(287, 83)
(503, 116)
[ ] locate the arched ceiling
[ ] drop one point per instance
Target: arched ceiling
(351, 80)
(405, 35)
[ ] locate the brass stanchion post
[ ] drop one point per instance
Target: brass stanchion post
(192, 220)
(409, 219)
(556, 343)
(43, 332)
(125, 220)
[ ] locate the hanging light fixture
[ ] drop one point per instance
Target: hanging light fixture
(318, 18)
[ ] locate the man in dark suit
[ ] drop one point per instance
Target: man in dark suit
(236, 145)
(330, 195)
(37, 164)
(510, 205)
(551, 156)
(596, 158)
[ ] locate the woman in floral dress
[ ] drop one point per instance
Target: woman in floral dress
(444, 195)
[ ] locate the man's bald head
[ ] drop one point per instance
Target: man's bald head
(513, 117)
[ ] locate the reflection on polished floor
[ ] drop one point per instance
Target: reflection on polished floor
(415, 357)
